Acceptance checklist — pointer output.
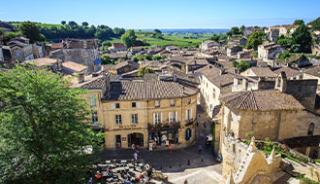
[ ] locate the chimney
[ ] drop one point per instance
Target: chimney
(222, 71)
(81, 77)
(281, 82)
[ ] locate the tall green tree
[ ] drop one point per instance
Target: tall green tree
(43, 129)
(129, 38)
(302, 39)
(31, 31)
(255, 39)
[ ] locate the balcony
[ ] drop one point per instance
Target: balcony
(189, 122)
(164, 125)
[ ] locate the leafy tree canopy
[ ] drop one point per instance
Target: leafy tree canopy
(44, 129)
(129, 38)
(255, 39)
(302, 39)
(241, 65)
(31, 31)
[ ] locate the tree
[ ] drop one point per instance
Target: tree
(315, 24)
(104, 32)
(234, 31)
(118, 31)
(129, 38)
(298, 22)
(106, 59)
(241, 65)
(43, 127)
(255, 39)
(85, 24)
(284, 55)
(63, 22)
(285, 42)
(302, 39)
(72, 24)
(31, 31)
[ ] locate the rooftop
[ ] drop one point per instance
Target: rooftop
(148, 89)
(262, 100)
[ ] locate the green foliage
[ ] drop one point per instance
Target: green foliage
(241, 65)
(285, 42)
(31, 31)
(142, 57)
(44, 129)
(118, 31)
(129, 38)
(157, 57)
(143, 71)
(9, 35)
(105, 45)
(234, 31)
(219, 37)
(106, 59)
(302, 39)
(103, 32)
(315, 24)
(284, 55)
(298, 22)
(255, 39)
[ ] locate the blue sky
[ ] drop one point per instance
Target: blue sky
(162, 13)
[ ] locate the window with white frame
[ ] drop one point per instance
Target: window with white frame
(134, 118)
(93, 101)
(172, 116)
(189, 114)
(156, 117)
(118, 119)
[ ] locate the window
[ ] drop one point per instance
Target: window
(157, 117)
(214, 93)
(118, 119)
(117, 105)
(172, 117)
(134, 104)
(189, 101)
(94, 117)
(189, 114)
(93, 101)
(134, 118)
(172, 102)
(157, 103)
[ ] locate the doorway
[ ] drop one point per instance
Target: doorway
(136, 139)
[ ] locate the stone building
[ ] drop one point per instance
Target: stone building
(252, 165)
(214, 83)
(81, 51)
(263, 114)
(313, 73)
(209, 45)
(268, 52)
(150, 113)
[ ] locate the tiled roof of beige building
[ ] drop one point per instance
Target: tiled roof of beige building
(314, 71)
(74, 66)
(214, 75)
(148, 89)
(263, 72)
(263, 100)
(290, 72)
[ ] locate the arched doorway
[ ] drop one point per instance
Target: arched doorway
(311, 129)
(136, 139)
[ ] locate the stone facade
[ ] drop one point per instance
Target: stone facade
(145, 111)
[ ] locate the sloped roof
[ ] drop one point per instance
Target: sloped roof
(290, 72)
(148, 89)
(263, 72)
(74, 66)
(263, 100)
(214, 75)
(314, 71)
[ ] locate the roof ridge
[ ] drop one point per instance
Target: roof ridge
(243, 99)
(254, 100)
